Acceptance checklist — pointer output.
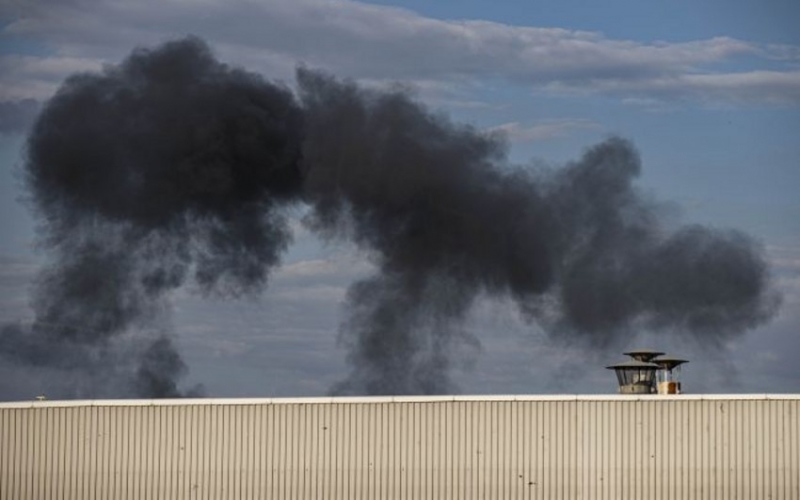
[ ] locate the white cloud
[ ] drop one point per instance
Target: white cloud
(30, 77)
(312, 294)
(785, 265)
(542, 130)
(374, 42)
(334, 269)
(772, 87)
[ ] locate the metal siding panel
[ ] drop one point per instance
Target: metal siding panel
(282, 456)
(30, 453)
(439, 469)
(513, 471)
(18, 456)
(346, 450)
(303, 434)
(70, 446)
(371, 462)
(739, 452)
(772, 476)
(355, 464)
(38, 458)
(114, 461)
(415, 453)
(359, 458)
(128, 467)
(230, 470)
(612, 448)
(41, 457)
(546, 458)
(540, 461)
(250, 473)
(791, 426)
(722, 449)
(146, 445)
(135, 450)
(391, 428)
(142, 447)
(27, 466)
(756, 425)
(239, 451)
(100, 453)
(234, 450)
(333, 452)
(150, 463)
(420, 443)
(514, 486)
(216, 458)
(8, 486)
(367, 465)
(270, 441)
(315, 452)
(165, 459)
(34, 458)
(256, 429)
(761, 423)
(326, 457)
(337, 448)
(208, 455)
(495, 432)
(5, 455)
(401, 434)
(116, 457)
(186, 429)
(789, 468)
(620, 434)
(463, 449)
(391, 425)
(472, 450)
(687, 453)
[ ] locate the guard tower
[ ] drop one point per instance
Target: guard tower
(635, 377)
(643, 355)
(649, 372)
(668, 374)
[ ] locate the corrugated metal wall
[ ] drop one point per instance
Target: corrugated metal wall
(435, 448)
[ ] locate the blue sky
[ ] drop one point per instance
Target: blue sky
(709, 92)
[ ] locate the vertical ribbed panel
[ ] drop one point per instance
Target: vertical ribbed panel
(499, 448)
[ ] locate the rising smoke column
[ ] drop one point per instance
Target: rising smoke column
(173, 168)
(579, 249)
(444, 219)
(168, 167)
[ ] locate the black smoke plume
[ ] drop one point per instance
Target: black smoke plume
(168, 167)
(173, 167)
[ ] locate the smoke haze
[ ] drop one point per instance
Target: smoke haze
(173, 168)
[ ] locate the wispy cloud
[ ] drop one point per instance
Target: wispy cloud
(374, 42)
(542, 130)
(785, 264)
(767, 87)
(32, 77)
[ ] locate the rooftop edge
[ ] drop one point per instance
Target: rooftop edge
(386, 399)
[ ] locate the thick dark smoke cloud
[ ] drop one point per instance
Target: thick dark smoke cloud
(168, 167)
(579, 249)
(174, 168)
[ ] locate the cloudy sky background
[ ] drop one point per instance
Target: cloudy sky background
(709, 94)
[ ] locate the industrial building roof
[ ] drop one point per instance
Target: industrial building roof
(389, 399)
